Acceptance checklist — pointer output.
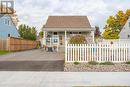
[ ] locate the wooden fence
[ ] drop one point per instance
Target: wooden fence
(97, 52)
(17, 44)
(3, 44)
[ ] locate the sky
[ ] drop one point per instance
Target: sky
(36, 12)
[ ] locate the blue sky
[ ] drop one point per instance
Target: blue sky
(35, 12)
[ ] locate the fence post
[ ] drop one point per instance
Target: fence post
(128, 52)
(2, 44)
(100, 52)
(8, 44)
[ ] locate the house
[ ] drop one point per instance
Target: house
(8, 23)
(125, 32)
(61, 28)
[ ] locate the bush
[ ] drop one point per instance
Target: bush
(76, 63)
(106, 63)
(128, 62)
(93, 63)
(78, 39)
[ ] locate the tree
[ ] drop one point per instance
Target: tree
(41, 33)
(115, 24)
(109, 34)
(27, 32)
(128, 13)
(97, 31)
(121, 17)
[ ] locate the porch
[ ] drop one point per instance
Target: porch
(58, 38)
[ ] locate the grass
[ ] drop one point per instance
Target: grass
(106, 63)
(93, 63)
(4, 52)
(128, 62)
(76, 63)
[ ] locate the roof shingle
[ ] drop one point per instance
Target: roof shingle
(67, 22)
(11, 12)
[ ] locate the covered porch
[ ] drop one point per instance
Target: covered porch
(58, 37)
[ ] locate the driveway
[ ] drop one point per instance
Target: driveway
(33, 60)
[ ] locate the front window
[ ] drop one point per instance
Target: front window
(55, 40)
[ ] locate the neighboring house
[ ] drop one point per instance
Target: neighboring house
(7, 27)
(8, 23)
(60, 28)
(125, 32)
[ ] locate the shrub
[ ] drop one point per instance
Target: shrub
(78, 39)
(76, 63)
(106, 63)
(93, 63)
(128, 62)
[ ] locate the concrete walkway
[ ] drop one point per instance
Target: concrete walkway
(33, 60)
(63, 79)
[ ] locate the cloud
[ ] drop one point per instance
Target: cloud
(35, 12)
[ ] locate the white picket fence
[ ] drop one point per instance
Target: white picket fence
(97, 52)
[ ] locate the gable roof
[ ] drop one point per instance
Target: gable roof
(67, 22)
(4, 9)
(12, 14)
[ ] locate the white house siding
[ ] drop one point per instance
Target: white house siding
(125, 32)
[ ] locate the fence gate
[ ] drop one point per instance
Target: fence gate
(97, 52)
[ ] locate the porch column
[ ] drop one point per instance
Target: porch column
(92, 34)
(44, 37)
(65, 38)
(65, 47)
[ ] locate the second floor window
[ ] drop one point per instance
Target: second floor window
(6, 21)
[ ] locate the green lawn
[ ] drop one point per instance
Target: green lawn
(4, 52)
